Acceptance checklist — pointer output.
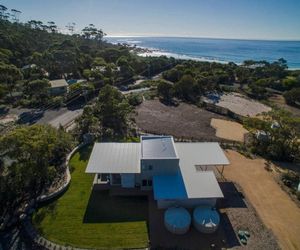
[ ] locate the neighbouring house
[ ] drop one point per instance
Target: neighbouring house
(178, 173)
(58, 87)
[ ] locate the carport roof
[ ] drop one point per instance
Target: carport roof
(201, 153)
(115, 158)
(200, 184)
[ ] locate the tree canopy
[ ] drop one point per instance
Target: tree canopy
(33, 159)
(281, 135)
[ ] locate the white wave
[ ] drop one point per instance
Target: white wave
(157, 53)
(130, 42)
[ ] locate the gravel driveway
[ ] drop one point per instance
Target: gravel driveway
(273, 205)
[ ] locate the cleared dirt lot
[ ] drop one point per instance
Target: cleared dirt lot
(229, 130)
(184, 121)
(277, 210)
(239, 104)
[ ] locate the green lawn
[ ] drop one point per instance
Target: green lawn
(86, 218)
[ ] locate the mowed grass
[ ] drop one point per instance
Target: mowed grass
(86, 218)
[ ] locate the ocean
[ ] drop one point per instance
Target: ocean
(217, 50)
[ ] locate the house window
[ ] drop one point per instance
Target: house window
(147, 183)
(147, 167)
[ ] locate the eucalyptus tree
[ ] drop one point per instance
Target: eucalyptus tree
(15, 15)
(36, 155)
(3, 10)
(71, 27)
(9, 74)
(52, 26)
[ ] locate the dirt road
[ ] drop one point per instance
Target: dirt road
(274, 206)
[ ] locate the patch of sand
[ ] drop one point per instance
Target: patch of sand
(228, 130)
(274, 206)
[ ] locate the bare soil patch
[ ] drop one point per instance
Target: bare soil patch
(273, 205)
(229, 130)
(184, 121)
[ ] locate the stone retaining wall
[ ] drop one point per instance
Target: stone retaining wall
(64, 187)
(27, 224)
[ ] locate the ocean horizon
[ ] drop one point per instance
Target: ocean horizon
(222, 50)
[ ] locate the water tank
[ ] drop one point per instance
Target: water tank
(177, 220)
(206, 219)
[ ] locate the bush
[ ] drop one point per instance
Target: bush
(291, 176)
(58, 100)
(135, 99)
(292, 97)
(165, 90)
(290, 179)
(298, 195)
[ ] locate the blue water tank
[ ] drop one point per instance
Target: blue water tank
(206, 219)
(177, 220)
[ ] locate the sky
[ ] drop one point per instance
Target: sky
(242, 19)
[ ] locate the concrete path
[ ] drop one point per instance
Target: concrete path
(274, 206)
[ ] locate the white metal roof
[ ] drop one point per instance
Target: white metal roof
(158, 147)
(200, 184)
(203, 184)
(115, 158)
(201, 153)
(58, 83)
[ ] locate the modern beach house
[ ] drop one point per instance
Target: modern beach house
(178, 173)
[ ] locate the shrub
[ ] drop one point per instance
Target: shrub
(135, 99)
(298, 195)
(292, 97)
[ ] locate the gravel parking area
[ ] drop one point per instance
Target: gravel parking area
(184, 121)
(239, 104)
(239, 214)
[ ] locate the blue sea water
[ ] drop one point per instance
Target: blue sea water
(219, 50)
